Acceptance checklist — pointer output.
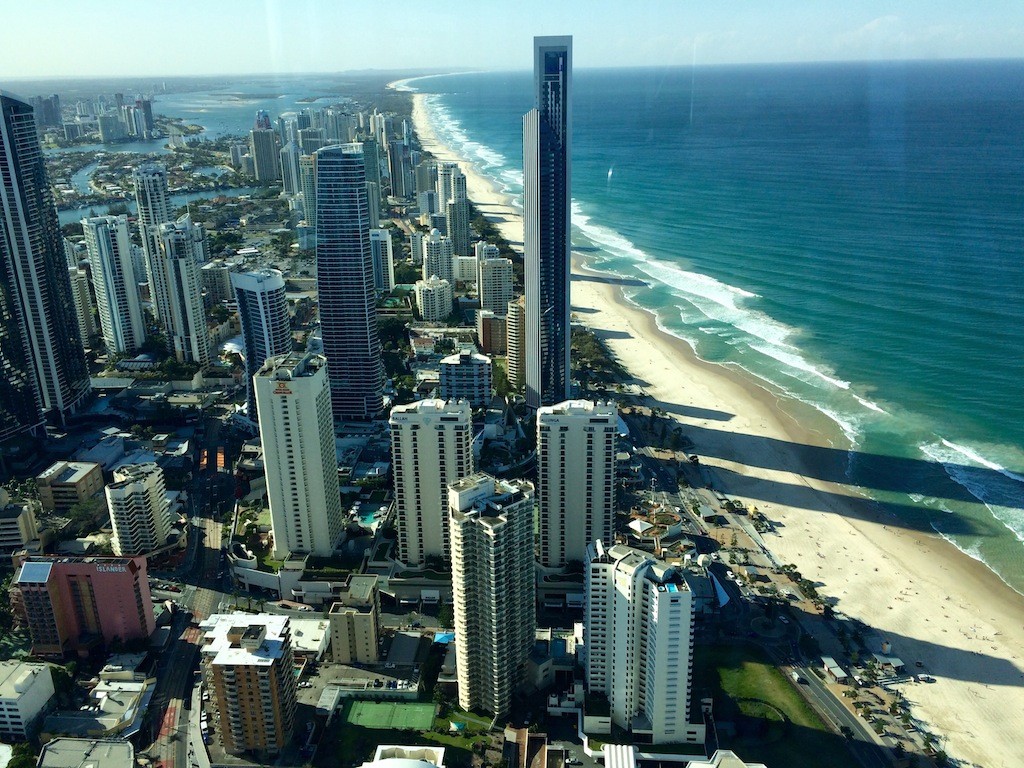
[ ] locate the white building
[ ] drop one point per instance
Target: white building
(416, 240)
(355, 623)
(25, 690)
(297, 432)
(724, 758)
(575, 479)
(393, 756)
(494, 278)
(263, 312)
(433, 299)
(638, 630)
(464, 269)
(139, 510)
(431, 448)
(493, 585)
(18, 524)
(456, 213)
(438, 254)
(178, 296)
(515, 342)
(153, 200)
(466, 376)
(383, 260)
(113, 277)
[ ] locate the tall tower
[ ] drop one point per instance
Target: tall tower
(438, 255)
(263, 147)
(456, 213)
(154, 204)
(638, 629)
(113, 275)
(41, 343)
(494, 280)
(348, 301)
(547, 197)
(297, 432)
(575, 479)
(139, 511)
(263, 310)
(515, 343)
(493, 584)
(431, 447)
(383, 260)
(291, 181)
(181, 246)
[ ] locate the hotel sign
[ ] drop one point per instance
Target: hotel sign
(111, 569)
(281, 388)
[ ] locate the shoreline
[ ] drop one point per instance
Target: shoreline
(911, 586)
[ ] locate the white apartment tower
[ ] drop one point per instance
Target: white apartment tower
(494, 279)
(466, 376)
(575, 479)
(433, 299)
(432, 448)
(515, 342)
(494, 589)
(263, 311)
(140, 513)
(438, 257)
(383, 260)
(153, 199)
(182, 247)
(113, 276)
(638, 629)
(293, 401)
(456, 213)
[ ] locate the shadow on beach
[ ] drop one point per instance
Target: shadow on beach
(607, 280)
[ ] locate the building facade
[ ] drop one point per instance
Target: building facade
(494, 283)
(247, 663)
(355, 622)
(348, 301)
(575, 479)
(431, 448)
(293, 402)
(140, 513)
(66, 483)
(466, 376)
(76, 604)
(547, 207)
(182, 246)
(433, 299)
(493, 585)
(26, 689)
(265, 158)
(43, 357)
(515, 346)
(266, 331)
(153, 199)
(638, 629)
(113, 277)
(383, 256)
(438, 254)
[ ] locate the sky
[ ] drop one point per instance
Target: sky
(57, 38)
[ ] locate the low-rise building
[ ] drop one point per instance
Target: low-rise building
(393, 756)
(86, 753)
(25, 690)
(64, 484)
(466, 376)
(17, 524)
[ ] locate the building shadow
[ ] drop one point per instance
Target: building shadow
(588, 278)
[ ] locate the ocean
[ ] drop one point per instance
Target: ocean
(850, 235)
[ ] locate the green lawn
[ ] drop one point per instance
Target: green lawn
(749, 692)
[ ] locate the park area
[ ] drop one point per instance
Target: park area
(758, 712)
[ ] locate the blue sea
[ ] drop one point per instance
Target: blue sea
(850, 235)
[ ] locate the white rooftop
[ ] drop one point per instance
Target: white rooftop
(219, 649)
(16, 677)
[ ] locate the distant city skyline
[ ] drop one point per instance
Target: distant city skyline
(236, 37)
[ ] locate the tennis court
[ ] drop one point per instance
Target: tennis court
(390, 714)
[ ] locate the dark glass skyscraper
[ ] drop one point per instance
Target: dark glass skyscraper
(348, 300)
(40, 345)
(547, 196)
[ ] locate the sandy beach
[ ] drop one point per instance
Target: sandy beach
(932, 602)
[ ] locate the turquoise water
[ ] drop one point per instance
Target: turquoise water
(850, 235)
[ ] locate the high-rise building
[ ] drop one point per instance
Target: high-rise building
(140, 513)
(293, 401)
(400, 168)
(466, 376)
(355, 622)
(310, 140)
(426, 176)
(491, 332)
(263, 311)
(456, 213)
(113, 276)
(42, 352)
(493, 584)
(494, 282)
(264, 151)
(262, 121)
(416, 240)
(307, 186)
(76, 603)
(154, 205)
(247, 663)
(290, 179)
(438, 253)
(575, 479)
(371, 162)
(515, 347)
(181, 247)
(348, 301)
(638, 629)
(84, 312)
(431, 448)
(433, 299)
(383, 260)
(547, 198)
(373, 203)
(445, 170)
